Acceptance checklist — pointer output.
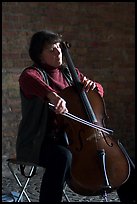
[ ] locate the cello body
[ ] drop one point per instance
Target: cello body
(98, 163)
(85, 143)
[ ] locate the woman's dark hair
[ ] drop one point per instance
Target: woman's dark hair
(39, 40)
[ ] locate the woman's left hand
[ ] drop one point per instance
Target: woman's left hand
(88, 84)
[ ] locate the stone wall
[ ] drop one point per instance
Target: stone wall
(102, 39)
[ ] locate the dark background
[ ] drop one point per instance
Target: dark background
(103, 48)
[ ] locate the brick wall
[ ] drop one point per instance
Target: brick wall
(102, 38)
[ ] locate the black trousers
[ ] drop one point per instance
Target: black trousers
(56, 158)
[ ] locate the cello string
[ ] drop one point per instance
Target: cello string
(69, 115)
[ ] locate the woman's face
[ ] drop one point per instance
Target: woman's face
(52, 55)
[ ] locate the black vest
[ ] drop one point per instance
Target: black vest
(32, 127)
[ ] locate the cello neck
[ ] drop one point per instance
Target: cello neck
(89, 111)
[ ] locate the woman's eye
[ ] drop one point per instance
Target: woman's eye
(51, 49)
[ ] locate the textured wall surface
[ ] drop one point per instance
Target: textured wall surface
(102, 38)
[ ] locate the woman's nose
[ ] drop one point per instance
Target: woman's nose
(57, 51)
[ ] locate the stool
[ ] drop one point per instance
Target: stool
(32, 171)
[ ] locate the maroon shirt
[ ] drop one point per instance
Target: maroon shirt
(32, 83)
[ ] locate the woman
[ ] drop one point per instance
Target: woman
(41, 139)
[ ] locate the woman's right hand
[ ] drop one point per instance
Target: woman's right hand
(58, 102)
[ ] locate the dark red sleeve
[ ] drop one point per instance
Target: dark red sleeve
(32, 84)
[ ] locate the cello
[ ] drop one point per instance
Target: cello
(98, 165)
